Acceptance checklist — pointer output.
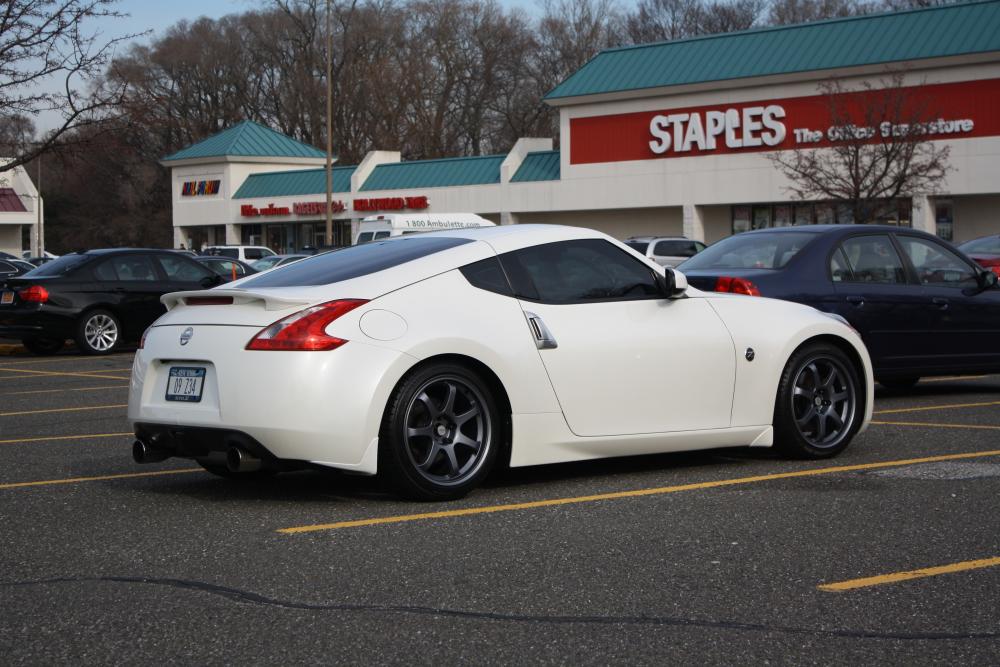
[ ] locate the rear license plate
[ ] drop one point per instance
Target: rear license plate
(6, 298)
(185, 384)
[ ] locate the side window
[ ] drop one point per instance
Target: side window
(249, 253)
(365, 237)
(578, 272)
(106, 271)
(487, 274)
(678, 248)
(873, 259)
(935, 264)
(381, 235)
(840, 271)
(182, 269)
(131, 267)
(7, 268)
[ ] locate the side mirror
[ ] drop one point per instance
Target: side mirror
(672, 283)
(987, 280)
(211, 281)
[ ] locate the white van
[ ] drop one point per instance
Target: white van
(377, 227)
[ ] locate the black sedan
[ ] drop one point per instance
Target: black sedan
(921, 307)
(11, 268)
(226, 267)
(99, 298)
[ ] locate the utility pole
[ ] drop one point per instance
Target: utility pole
(38, 209)
(329, 127)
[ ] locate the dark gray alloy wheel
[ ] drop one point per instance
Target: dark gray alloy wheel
(818, 409)
(99, 332)
(439, 437)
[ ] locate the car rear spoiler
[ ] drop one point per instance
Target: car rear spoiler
(235, 296)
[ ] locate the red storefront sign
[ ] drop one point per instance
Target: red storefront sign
(956, 110)
(391, 203)
(317, 207)
(250, 211)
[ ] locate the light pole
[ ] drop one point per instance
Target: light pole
(329, 127)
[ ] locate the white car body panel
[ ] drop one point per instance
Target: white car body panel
(675, 375)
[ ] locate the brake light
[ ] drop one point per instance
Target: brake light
(305, 330)
(736, 286)
(35, 294)
(142, 341)
(991, 263)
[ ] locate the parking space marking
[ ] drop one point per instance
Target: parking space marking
(634, 493)
(951, 406)
(983, 427)
(908, 575)
(49, 410)
(59, 391)
(47, 438)
(56, 360)
(94, 374)
(100, 478)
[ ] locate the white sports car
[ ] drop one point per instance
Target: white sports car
(430, 359)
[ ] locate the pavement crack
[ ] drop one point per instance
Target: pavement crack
(249, 597)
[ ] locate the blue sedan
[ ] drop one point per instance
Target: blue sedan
(922, 307)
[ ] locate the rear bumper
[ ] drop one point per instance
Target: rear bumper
(34, 323)
(199, 442)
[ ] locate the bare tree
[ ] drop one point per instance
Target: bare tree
(881, 148)
(48, 63)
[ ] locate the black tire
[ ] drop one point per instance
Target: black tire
(899, 384)
(820, 403)
(99, 332)
(435, 444)
(43, 346)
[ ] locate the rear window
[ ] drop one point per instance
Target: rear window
(639, 246)
(354, 262)
(986, 246)
(60, 266)
(751, 251)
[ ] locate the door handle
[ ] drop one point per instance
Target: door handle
(856, 301)
(940, 302)
(544, 340)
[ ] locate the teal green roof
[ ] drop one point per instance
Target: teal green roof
(435, 173)
(247, 139)
(290, 183)
(538, 166)
(947, 30)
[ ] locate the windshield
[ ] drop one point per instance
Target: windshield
(639, 246)
(266, 263)
(751, 251)
(59, 267)
(987, 246)
(355, 261)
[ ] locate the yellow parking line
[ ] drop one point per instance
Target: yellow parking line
(56, 360)
(99, 478)
(94, 374)
(635, 493)
(951, 406)
(47, 438)
(59, 391)
(49, 410)
(984, 427)
(910, 574)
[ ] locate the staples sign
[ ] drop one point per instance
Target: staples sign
(735, 128)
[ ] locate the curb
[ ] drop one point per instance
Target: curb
(10, 350)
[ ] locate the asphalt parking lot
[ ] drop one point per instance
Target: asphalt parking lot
(709, 558)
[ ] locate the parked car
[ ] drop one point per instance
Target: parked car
(7, 255)
(228, 269)
(45, 254)
(274, 261)
(921, 307)
(985, 251)
(10, 267)
(244, 253)
(185, 251)
(578, 349)
(99, 298)
(665, 250)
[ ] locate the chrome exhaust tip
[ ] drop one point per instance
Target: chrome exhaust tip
(239, 460)
(143, 453)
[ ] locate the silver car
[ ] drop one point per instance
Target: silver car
(665, 250)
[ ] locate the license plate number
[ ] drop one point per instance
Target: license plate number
(6, 298)
(185, 384)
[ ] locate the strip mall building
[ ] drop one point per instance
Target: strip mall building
(666, 139)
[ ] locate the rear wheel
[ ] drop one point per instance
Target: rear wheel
(43, 346)
(819, 405)
(440, 434)
(899, 384)
(98, 332)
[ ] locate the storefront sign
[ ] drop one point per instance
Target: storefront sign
(391, 204)
(317, 207)
(199, 188)
(250, 211)
(959, 110)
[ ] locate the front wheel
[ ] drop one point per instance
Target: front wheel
(819, 405)
(98, 332)
(440, 434)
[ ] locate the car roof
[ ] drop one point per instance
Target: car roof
(112, 251)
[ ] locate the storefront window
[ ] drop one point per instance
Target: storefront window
(782, 216)
(943, 216)
(741, 219)
(761, 217)
(803, 214)
(845, 214)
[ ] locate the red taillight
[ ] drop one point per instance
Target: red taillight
(305, 330)
(736, 286)
(991, 263)
(34, 294)
(142, 341)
